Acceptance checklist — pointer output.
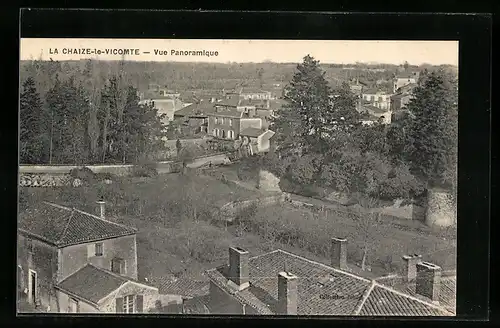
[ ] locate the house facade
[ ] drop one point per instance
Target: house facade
(282, 283)
(253, 93)
(377, 98)
(404, 79)
(224, 123)
(72, 261)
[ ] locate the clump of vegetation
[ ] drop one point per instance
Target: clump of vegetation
(145, 170)
(85, 174)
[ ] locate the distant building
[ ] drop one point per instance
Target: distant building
(400, 100)
(377, 98)
(165, 105)
(372, 114)
(237, 119)
(403, 79)
(73, 261)
(282, 283)
(357, 88)
(254, 93)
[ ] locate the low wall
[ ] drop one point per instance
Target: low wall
(230, 210)
(441, 208)
(120, 170)
(58, 175)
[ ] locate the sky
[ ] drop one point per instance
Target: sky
(223, 51)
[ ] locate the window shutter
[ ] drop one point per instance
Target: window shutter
(119, 305)
(139, 303)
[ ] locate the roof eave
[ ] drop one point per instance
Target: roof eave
(62, 245)
(78, 297)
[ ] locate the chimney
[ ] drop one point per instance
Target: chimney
(287, 294)
(410, 269)
(428, 281)
(102, 208)
(238, 267)
(339, 253)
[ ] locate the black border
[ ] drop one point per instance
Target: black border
(473, 32)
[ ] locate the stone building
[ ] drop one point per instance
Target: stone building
(72, 261)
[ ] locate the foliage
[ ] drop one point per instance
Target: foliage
(32, 124)
(305, 168)
(87, 117)
(84, 174)
(145, 170)
(434, 130)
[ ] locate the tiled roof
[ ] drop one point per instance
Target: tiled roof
(196, 110)
(373, 92)
(447, 294)
(405, 75)
(183, 286)
(322, 290)
(63, 226)
(252, 132)
(384, 301)
(92, 283)
(249, 90)
(231, 102)
(253, 102)
(231, 112)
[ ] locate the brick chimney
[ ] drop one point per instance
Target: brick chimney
(339, 253)
(410, 269)
(287, 294)
(102, 208)
(238, 267)
(428, 281)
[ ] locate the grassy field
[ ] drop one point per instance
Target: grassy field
(176, 238)
(387, 242)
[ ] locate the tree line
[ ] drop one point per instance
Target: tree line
(84, 118)
(322, 142)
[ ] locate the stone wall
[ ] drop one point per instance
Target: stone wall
(230, 210)
(441, 208)
(268, 181)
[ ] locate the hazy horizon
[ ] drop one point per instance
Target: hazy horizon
(247, 51)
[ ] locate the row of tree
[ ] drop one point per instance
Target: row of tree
(85, 119)
(321, 140)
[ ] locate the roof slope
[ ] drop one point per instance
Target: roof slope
(383, 301)
(322, 290)
(92, 283)
(252, 132)
(183, 286)
(62, 226)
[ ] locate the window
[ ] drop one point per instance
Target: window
(223, 134)
(98, 249)
(29, 245)
(73, 306)
(216, 120)
(380, 99)
(118, 265)
(230, 122)
(215, 132)
(230, 134)
(128, 304)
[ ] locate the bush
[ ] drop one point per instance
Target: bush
(400, 183)
(84, 174)
(105, 176)
(145, 170)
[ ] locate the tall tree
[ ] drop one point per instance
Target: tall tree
(301, 122)
(434, 130)
(32, 124)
